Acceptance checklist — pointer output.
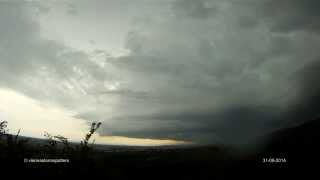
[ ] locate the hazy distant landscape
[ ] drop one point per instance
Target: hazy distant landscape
(294, 147)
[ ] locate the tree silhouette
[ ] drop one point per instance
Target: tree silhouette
(93, 129)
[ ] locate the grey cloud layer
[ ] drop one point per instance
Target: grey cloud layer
(204, 71)
(228, 61)
(41, 68)
(293, 15)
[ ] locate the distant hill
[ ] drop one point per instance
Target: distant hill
(300, 142)
(298, 146)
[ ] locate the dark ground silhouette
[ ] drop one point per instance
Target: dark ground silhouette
(287, 153)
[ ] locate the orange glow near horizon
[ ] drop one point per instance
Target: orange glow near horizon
(121, 140)
(34, 118)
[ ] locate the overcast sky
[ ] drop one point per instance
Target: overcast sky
(159, 71)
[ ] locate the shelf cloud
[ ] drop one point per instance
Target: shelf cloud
(207, 71)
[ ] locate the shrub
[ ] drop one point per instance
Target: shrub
(93, 129)
(51, 145)
(66, 149)
(3, 128)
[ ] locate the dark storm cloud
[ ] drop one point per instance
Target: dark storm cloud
(235, 125)
(204, 71)
(229, 89)
(293, 15)
(307, 105)
(195, 9)
(126, 93)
